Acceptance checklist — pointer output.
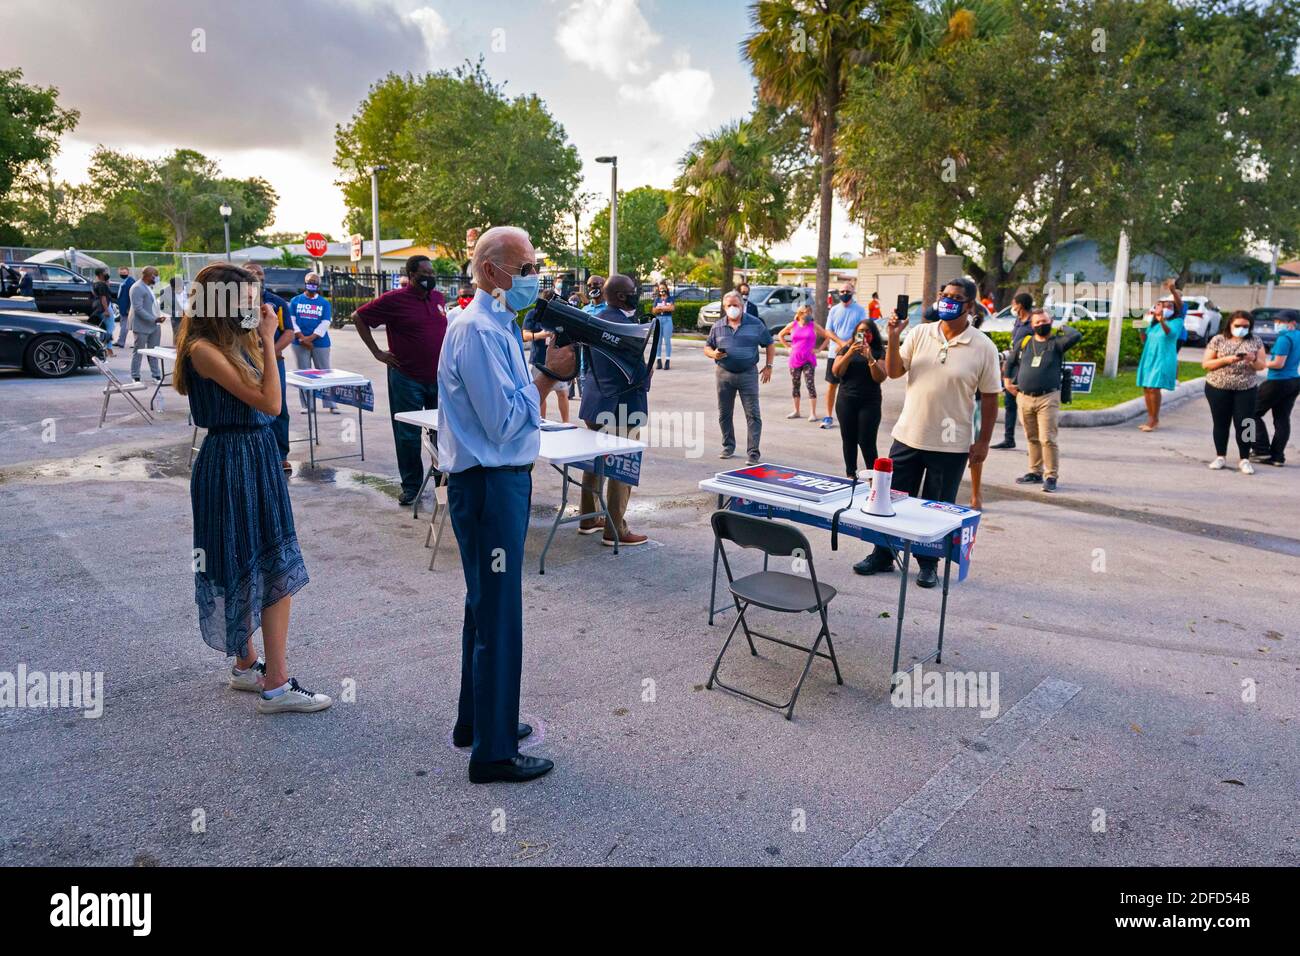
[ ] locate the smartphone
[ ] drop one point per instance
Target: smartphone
(900, 307)
(859, 337)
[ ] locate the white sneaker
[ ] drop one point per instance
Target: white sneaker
(793, 415)
(1247, 468)
(1219, 464)
(293, 700)
(814, 417)
(250, 679)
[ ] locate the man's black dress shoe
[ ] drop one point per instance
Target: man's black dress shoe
(874, 564)
(1005, 443)
(463, 738)
(927, 576)
(515, 770)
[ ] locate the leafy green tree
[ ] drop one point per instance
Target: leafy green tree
(460, 155)
(181, 194)
(729, 191)
(803, 53)
(31, 122)
(290, 260)
(640, 243)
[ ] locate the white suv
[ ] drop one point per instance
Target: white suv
(1203, 318)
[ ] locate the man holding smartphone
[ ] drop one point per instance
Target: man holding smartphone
(946, 364)
(733, 346)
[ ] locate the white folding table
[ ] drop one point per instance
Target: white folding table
(309, 386)
(164, 355)
(916, 522)
(562, 449)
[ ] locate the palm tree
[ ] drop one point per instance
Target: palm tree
(803, 53)
(727, 191)
(289, 260)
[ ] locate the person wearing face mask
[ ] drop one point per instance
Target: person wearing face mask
(1022, 307)
(146, 323)
(309, 319)
(750, 307)
(1157, 369)
(1231, 360)
(1033, 379)
(489, 438)
(283, 339)
(538, 339)
(609, 404)
(947, 363)
(733, 346)
(843, 318)
(1278, 393)
(125, 281)
(416, 322)
(860, 369)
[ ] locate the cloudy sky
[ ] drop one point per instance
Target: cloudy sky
(638, 78)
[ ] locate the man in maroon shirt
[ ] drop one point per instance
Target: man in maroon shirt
(416, 320)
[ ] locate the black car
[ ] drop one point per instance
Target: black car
(55, 288)
(1264, 328)
(46, 346)
(287, 283)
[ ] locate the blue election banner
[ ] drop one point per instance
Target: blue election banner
(960, 545)
(624, 468)
(1083, 374)
(357, 396)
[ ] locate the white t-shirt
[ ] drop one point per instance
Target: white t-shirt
(943, 376)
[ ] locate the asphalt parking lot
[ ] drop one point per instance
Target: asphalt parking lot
(1141, 624)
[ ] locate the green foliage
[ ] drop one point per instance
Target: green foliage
(31, 122)
(290, 260)
(730, 189)
(460, 155)
(640, 243)
(180, 195)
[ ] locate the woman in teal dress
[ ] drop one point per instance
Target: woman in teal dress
(1157, 370)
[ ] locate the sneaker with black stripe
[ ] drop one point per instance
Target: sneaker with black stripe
(292, 699)
(250, 679)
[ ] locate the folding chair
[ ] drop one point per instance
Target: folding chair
(437, 517)
(117, 386)
(431, 449)
(773, 590)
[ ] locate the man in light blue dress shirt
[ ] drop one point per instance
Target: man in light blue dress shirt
(488, 438)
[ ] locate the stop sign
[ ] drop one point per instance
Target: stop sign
(316, 245)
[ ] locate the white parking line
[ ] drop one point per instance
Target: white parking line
(912, 825)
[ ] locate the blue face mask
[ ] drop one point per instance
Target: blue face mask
(523, 292)
(949, 309)
(312, 287)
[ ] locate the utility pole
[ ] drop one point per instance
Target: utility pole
(613, 210)
(374, 220)
(1118, 306)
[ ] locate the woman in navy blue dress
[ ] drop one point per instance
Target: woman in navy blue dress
(247, 565)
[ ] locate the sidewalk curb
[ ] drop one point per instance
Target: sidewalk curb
(1133, 408)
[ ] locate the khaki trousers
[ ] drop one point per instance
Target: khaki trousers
(616, 492)
(1039, 415)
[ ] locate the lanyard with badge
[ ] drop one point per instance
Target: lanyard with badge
(1037, 359)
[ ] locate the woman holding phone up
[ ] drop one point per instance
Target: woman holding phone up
(859, 368)
(247, 564)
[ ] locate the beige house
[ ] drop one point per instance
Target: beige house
(893, 274)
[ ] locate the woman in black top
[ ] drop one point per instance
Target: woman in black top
(860, 370)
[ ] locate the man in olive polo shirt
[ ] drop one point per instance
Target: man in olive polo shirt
(946, 363)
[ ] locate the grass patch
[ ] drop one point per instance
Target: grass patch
(1107, 392)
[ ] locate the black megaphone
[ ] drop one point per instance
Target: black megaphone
(623, 343)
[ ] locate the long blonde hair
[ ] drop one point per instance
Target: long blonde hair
(211, 316)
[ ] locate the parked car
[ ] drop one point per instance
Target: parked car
(776, 305)
(1264, 327)
(45, 346)
(1004, 320)
(286, 282)
(54, 288)
(1203, 319)
(690, 293)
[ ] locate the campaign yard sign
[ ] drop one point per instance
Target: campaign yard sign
(796, 482)
(624, 468)
(1082, 373)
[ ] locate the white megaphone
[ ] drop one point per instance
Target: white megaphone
(879, 502)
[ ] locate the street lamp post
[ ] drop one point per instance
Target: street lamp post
(374, 216)
(225, 222)
(613, 210)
